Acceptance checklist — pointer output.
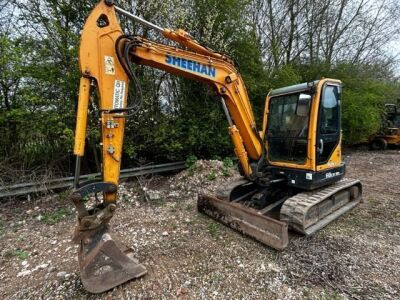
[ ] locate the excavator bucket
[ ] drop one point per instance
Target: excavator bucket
(246, 220)
(105, 263)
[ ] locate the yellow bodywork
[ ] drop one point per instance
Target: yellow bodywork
(310, 162)
(99, 64)
(391, 136)
(227, 82)
(393, 139)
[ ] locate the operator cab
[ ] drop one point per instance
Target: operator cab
(392, 115)
(303, 132)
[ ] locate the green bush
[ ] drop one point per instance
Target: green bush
(55, 216)
(21, 254)
(212, 175)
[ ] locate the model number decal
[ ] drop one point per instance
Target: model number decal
(330, 174)
(119, 93)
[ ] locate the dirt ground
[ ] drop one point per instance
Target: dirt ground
(189, 256)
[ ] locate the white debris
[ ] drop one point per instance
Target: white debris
(43, 266)
(153, 195)
(61, 275)
(24, 273)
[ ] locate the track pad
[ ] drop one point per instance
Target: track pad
(105, 263)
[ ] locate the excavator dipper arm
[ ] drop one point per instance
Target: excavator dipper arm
(103, 262)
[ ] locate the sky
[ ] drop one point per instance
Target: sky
(393, 49)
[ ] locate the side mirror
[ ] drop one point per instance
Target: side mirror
(303, 105)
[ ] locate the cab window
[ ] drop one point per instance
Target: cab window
(330, 110)
(329, 123)
(287, 129)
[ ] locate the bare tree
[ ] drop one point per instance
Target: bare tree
(326, 31)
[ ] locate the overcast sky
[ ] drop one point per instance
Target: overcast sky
(394, 50)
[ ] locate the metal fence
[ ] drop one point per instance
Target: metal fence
(67, 182)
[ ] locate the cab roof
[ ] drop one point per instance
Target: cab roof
(294, 88)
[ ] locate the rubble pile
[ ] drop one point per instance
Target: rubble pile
(204, 176)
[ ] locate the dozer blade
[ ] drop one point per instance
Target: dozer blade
(245, 220)
(105, 263)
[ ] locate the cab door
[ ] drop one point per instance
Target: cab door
(328, 132)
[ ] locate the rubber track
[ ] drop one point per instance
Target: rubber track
(295, 209)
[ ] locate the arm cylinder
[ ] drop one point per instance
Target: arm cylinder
(81, 120)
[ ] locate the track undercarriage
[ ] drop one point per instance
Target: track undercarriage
(266, 213)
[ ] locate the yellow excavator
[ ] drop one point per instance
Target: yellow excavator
(292, 172)
(389, 134)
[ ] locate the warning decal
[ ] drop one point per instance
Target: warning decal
(119, 94)
(109, 66)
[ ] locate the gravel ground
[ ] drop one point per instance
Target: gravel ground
(189, 256)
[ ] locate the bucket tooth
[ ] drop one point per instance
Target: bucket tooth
(105, 263)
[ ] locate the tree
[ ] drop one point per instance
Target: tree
(326, 31)
(273, 43)
(11, 68)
